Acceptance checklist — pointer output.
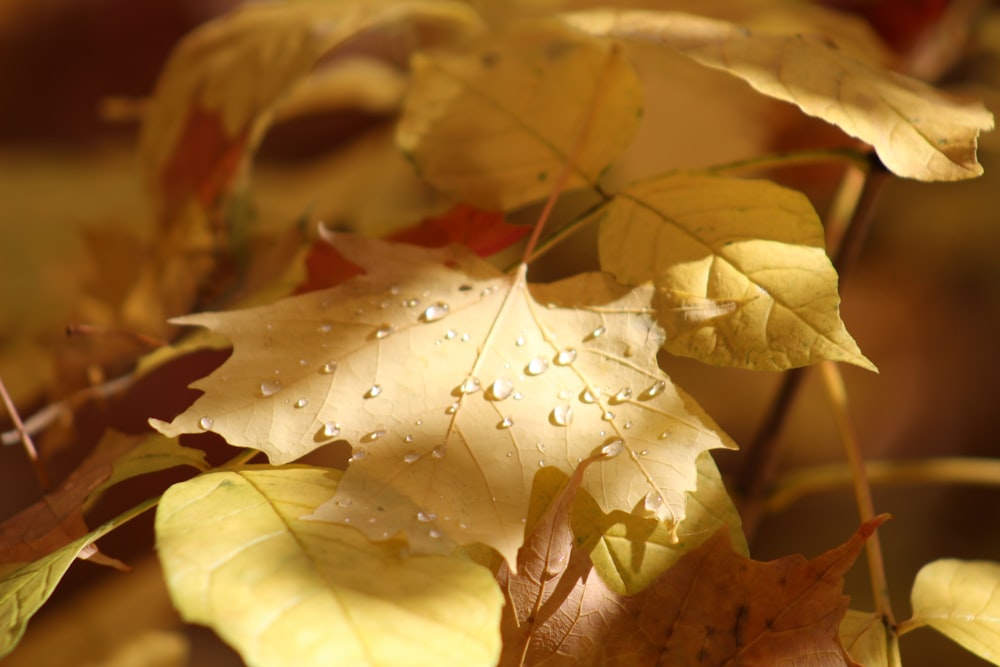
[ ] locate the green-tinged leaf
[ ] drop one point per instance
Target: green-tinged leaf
(864, 637)
(495, 125)
(282, 590)
(961, 600)
(454, 384)
(154, 453)
(917, 131)
(743, 277)
(629, 552)
(25, 587)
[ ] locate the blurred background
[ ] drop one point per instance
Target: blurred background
(924, 302)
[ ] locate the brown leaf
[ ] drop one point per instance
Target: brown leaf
(714, 607)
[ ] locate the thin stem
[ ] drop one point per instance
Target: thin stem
(833, 382)
(573, 226)
(581, 139)
(851, 156)
(25, 438)
(94, 330)
(791, 487)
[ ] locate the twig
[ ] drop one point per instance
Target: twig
(94, 330)
(25, 438)
(833, 382)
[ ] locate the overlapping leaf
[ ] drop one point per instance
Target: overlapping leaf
(454, 384)
(864, 637)
(744, 278)
(961, 600)
(281, 590)
(495, 124)
(917, 131)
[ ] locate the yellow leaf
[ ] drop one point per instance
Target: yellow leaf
(495, 124)
(629, 552)
(454, 384)
(285, 591)
(751, 244)
(917, 131)
(961, 600)
(863, 635)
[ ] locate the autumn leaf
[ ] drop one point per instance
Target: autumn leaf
(238, 557)
(713, 607)
(864, 637)
(454, 384)
(494, 124)
(741, 266)
(917, 131)
(959, 599)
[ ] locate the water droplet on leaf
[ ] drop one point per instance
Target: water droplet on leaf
(373, 391)
(597, 333)
(536, 366)
(613, 448)
(653, 501)
(206, 423)
(562, 415)
(270, 387)
(471, 385)
(302, 402)
(654, 389)
(328, 368)
(384, 331)
(434, 313)
(623, 395)
(439, 451)
(452, 409)
(331, 429)
(565, 357)
(411, 457)
(500, 389)
(360, 454)
(372, 436)
(588, 396)
(426, 517)
(506, 422)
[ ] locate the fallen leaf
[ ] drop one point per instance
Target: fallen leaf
(751, 256)
(960, 600)
(713, 607)
(281, 590)
(495, 124)
(454, 384)
(864, 637)
(917, 131)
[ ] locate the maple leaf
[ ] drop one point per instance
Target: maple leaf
(741, 262)
(712, 607)
(454, 384)
(917, 131)
(494, 123)
(281, 590)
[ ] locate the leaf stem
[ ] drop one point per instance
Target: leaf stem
(25, 438)
(852, 156)
(833, 382)
(581, 139)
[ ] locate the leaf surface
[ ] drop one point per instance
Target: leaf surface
(917, 131)
(863, 635)
(743, 276)
(495, 124)
(961, 600)
(282, 590)
(454, 384)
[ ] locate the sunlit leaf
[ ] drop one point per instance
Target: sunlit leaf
(864, 637)
(961, 600)
(495, 125)
(454, 384)
(282, 590)
(917, 131)
(745, 279)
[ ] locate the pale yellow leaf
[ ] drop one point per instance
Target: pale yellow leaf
(239, 558)
(454, 384)
(150, 455)
(917, 131)
(495, 124)
(752, 244)
(961, 600)
(864, 637)
(630, 552)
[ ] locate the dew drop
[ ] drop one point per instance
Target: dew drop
(434, 313)
(471, 385)
(540, 446)
(394, 290)
(384, 331)
(270, 387)
(426, 517)
(520, 341)
(653, 501)
(597, 333)
(536, 366)
(434, 533)
(465, 338)
(301, 403)
(517, 396)
(588, 396)
(411, 303)
(344, 502)
(623, 395)
(500, 389)
(541, 463)
(360, 454)
(372, 436)
(303, 362)
(411, 457)
(608, 416)
(328, 368)
(506, 422)
(408, 438)
(510, 454)
(644, 452)
(206, 423)
(565, 357)
(439, 451)
(326, 327)
(562, 415)
(627, 424)
(613, 448)
(450, 333)
(652, 390)
(331, 429)
(419, 422)
(373, 391)
(663, 435)
(451, 409)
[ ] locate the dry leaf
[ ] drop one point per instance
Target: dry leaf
(283, 591)
(751, 251)
(454, 384)
(864, 637)
(494, 125)
(917, 131)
